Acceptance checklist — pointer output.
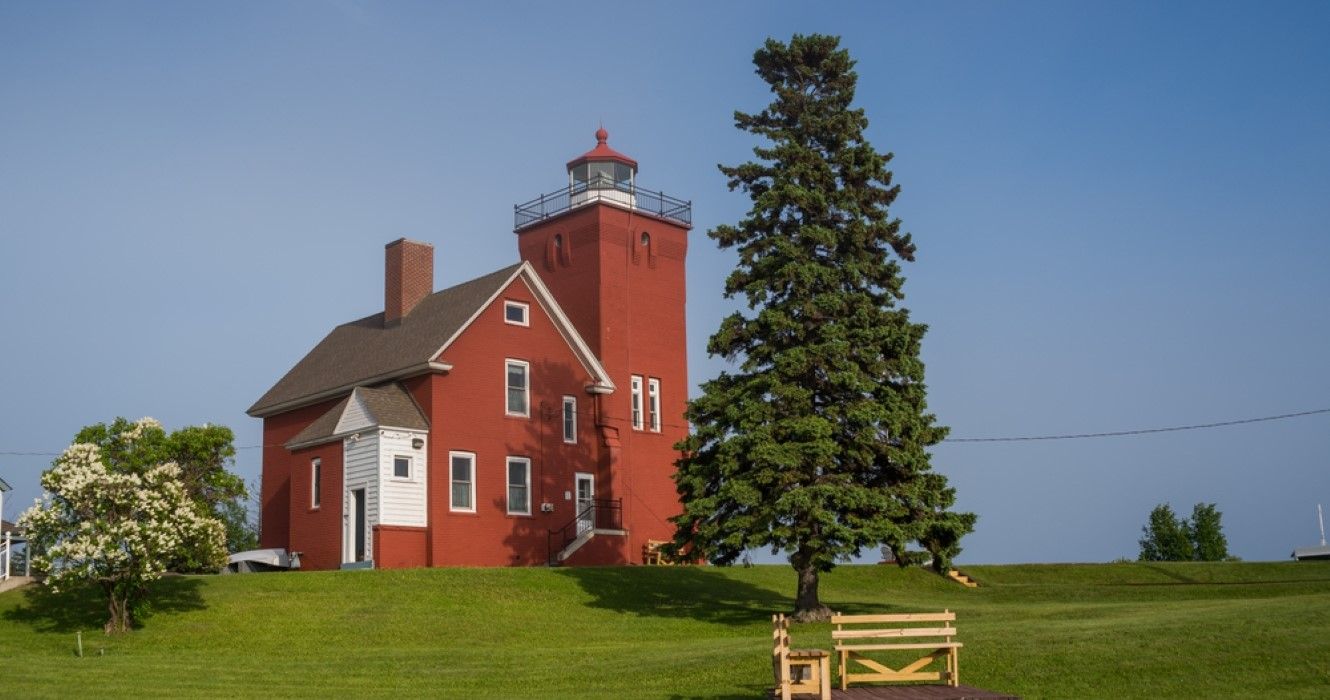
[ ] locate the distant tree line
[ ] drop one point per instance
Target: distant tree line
(1170, 538)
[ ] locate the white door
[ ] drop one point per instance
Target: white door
(586, 502)
(354, 545)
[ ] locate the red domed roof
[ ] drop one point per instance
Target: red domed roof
(602, 151)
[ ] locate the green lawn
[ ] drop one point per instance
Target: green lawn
(1068, 631)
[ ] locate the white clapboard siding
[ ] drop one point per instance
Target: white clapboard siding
(362, 458)
(403, 500)
(354, 417)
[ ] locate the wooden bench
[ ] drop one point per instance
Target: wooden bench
(652, 555)
(856, 634)
(797, 670)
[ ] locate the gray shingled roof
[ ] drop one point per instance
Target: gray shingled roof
(359, 351)
(389, 406)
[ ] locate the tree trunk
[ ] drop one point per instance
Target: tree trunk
(121, 619)
(807, 607)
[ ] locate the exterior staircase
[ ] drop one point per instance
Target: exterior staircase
(564, 554)
(962, 578)
(601, 517)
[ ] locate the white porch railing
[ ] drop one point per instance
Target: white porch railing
(7, 557)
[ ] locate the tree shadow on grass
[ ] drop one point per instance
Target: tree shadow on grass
(83, 607)
(1169, 573)
(694, 592)
(689, 592)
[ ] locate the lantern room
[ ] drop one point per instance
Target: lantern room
(603, 175)
(602, 167)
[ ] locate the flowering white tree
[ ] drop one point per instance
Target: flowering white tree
(117, 529)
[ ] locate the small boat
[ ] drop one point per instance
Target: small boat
(1321, 552)
(257, 560)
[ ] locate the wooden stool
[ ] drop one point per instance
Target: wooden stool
(798, 671)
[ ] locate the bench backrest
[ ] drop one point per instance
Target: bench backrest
(906, 627)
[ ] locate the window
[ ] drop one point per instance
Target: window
(637, 402)
(463, 476)
(315, 482)
(402, 467)
(653, 404)
(515, 313)
(519, 486)
(570, 419)
(646, 240)
(518, 390)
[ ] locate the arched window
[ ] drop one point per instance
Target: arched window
(646, 240)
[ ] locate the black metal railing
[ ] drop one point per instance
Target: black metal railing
(577, 194)
(600, 515)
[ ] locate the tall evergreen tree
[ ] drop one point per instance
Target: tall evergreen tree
(817, 445)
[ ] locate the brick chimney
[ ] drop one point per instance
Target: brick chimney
(408, 277)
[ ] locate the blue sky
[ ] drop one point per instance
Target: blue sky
(1120, 210)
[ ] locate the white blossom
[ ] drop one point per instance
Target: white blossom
(93, 523)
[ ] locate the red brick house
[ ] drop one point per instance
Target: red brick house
(524, 417)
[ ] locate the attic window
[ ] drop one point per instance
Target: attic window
(515, 313)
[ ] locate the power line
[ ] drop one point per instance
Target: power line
(1142, 431)
(1024, 438)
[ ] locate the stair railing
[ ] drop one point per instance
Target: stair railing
(602, 514)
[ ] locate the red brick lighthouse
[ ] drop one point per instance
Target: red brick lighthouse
(527, 416)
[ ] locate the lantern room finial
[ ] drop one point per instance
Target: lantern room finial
(602, 136)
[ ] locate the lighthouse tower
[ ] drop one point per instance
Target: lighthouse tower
(612, 254)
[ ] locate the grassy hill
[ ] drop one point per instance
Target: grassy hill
(1068, 631)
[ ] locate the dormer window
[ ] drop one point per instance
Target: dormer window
(515, 313)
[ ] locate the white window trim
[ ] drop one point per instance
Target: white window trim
(470, 456)
(410, 468)
(507, 482)
(315, 483)
(636, 397)
(526, 373)
(569, 402)
(526, 313)
(653, 404)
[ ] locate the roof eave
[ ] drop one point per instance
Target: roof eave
(293, 446)
(258, 411)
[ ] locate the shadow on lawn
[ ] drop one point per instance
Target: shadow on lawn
(679, 591)
(84, 607)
